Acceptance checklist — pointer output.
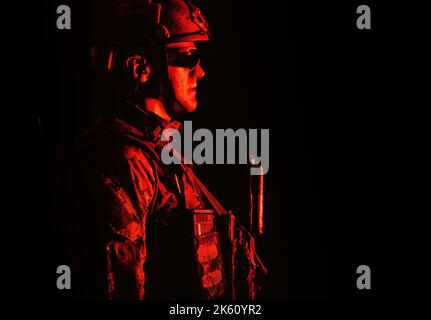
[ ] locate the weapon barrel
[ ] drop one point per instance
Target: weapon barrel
(256, 203)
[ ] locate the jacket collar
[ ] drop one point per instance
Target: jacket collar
(147, 122)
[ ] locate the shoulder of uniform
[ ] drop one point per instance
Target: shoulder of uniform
(143, 150)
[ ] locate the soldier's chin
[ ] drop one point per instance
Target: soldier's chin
(192, 105)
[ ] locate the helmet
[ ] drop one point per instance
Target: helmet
(184, 21)
(147, 24)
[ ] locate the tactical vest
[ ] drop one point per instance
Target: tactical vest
(191, 240)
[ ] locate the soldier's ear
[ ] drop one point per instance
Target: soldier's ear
(138, 68)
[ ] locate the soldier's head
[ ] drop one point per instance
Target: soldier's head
(149, 50)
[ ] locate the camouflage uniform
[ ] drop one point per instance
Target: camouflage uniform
(133, 229)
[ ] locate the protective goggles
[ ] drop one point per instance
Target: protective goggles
(186, 59)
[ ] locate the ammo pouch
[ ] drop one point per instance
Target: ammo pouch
(209, 255)
(244, 269)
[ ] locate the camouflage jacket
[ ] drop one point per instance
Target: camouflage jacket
(132, 228)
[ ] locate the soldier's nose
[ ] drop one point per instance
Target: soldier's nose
(199, 71)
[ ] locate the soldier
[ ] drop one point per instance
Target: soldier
(137, 228)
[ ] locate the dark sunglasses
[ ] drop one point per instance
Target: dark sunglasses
(186, 59)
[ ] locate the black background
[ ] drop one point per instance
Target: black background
(300, 68)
